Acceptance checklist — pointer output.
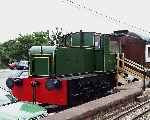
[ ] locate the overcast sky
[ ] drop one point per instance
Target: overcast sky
(26, 16)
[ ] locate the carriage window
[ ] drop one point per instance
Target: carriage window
(147, 53)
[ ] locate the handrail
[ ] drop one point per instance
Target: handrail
(131, 67)
(134, 63)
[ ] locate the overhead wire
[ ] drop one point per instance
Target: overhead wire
(107, 17)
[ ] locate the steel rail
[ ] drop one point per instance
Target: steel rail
(141, 114)
(131, 110)
(124, 113)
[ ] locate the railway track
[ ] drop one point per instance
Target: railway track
(132, 112)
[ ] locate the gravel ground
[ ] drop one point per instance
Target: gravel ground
(145, 117)
(4, 73)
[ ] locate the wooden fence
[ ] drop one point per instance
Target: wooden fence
(127, 66)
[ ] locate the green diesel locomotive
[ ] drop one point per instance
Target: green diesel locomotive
(81, 71)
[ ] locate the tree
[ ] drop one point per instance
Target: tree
(25, 42)
(17, 49)
(59, 39)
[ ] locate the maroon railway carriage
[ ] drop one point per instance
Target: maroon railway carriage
(132, 45)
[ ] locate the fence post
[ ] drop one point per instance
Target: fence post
(122, 57)
(118, 58)
(117, 68)
(145, 73)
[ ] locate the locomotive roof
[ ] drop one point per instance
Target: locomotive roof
(42, 50)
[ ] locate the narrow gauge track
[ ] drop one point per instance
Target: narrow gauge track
(132, 113)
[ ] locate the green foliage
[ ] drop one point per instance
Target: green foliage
(24, 42)
(17, 49)
(56, 37)
(59, 39)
